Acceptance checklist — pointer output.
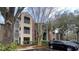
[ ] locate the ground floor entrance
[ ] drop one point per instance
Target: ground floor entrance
(26, 40)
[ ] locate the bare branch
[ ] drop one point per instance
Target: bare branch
(19, 11)
(41, 14)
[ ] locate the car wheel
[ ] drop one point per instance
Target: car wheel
(51, 46)
(69, 49)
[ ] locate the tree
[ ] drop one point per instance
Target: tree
(63, 21)
(66, 21)
(41, 15)
(77, 22)
(10, 16)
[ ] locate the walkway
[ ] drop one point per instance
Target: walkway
(27, 48)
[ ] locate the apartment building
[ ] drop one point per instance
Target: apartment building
(23, 29)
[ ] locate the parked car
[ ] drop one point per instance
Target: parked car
(63, 45)
(75, 42)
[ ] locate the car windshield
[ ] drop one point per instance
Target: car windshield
(59, 42)
(76, 42)
(69, 43)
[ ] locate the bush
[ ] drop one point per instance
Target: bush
(2, 47)
(34, 42)
(45, 43)
(8, 47)
(12, 47)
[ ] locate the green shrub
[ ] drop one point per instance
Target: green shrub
(2, 47)
(11, 47)
(8, 47)
(44, 43)
(34, 42)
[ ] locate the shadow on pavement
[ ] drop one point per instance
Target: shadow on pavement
(41, 49)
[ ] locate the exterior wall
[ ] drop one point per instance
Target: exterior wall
(20, 34)
(22, 25)
(49, 36)
(32, 27)
(16, 31)
(33, 30)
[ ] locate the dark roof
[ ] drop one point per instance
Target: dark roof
(1, 24)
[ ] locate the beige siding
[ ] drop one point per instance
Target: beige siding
(22, 25)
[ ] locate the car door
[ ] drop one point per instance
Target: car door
(58, 45)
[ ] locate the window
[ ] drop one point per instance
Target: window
(58, 42)
(26, 30)
(16, 34)
(53, 32)
(26, 20)
(17, 21)
(26, 40)
(16, 41)
(20, 28)
(17, 31)
(44, 36)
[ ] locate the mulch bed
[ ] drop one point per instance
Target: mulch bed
(23, 46)
(35, 46)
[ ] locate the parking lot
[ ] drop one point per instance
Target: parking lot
(42, 49)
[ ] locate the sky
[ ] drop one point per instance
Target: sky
(1, 19)
(60, 8)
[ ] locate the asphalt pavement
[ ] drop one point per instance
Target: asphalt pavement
(44, 49)
(41, 49)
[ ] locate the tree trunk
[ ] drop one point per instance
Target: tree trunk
(8, 29)
(49, 35)
(61, 36)
(40, 34)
